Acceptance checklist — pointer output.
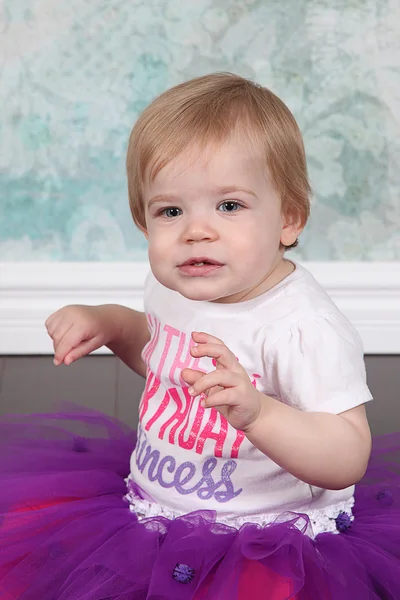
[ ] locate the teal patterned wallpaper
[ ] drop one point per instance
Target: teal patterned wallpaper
(74, 75)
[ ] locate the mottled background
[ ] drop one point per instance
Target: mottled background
(74, 75)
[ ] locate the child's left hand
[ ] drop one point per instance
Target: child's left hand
(228, 388)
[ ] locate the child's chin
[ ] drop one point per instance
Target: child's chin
(191, 290)
(200, 295)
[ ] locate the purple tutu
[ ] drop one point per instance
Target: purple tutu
(67, 533)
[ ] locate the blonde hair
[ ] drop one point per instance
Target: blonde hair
(207, 110)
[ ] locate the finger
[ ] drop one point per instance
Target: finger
(190, 376)
(211, 391)
(61, 348)
(58, 334)
(52, 322)
(218, 351)
(225, 379)
(81, 350)
(60, 330)
(200, 337)
(65, 343)
(226, 397)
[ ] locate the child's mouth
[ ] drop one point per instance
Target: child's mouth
(199, 266)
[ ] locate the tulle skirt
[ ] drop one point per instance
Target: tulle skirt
(67, 533)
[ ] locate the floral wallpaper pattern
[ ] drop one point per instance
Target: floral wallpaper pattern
(74, 75)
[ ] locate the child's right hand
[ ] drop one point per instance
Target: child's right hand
(77, 330)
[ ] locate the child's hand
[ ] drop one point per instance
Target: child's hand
(228, 388)
(78, 330)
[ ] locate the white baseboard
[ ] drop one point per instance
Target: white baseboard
(368, 294)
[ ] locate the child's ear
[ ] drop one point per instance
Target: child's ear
(291, 229)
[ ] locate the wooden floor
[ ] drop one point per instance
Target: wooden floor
(33, 383)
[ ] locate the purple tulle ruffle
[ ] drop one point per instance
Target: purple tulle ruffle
(66, 532)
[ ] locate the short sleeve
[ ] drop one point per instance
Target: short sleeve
(318, 365)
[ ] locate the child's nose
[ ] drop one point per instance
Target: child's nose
(199, 231)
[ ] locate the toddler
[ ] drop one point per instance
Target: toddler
(251, 475)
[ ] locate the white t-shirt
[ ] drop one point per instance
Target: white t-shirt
(296, 346)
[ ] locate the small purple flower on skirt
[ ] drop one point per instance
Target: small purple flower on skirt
(183, 573)
(79, 444)
(343, 522)
(385, 497)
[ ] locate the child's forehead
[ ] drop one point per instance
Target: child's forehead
(215, 169)
(235, 154)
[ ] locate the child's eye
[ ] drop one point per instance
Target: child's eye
(230, 206)
(170, 212)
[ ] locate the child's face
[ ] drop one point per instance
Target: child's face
(217, 208)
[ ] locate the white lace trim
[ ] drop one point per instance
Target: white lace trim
(311, 522)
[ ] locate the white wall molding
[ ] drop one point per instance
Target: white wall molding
(368, 293)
